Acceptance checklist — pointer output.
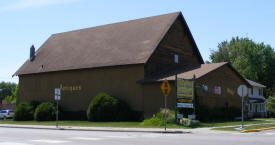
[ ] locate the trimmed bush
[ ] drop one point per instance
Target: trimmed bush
(107, 108)
(189, 123)
(23, 112)
(124, 111)
(158, 119)
(45, 112)
(35, 103)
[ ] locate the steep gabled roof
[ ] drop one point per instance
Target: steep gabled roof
(130, 42)
(255, 84)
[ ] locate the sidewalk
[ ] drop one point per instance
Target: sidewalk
(203, 130)
(113, 129)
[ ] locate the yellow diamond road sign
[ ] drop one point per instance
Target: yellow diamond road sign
(165, 87)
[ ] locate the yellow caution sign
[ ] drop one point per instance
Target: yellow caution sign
(165, 87)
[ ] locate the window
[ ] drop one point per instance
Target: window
(4, 111)
(176, 58)
(260, 107)
(217, 90)
(260, 91)
(251, 91)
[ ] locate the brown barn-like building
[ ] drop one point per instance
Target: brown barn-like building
(127, 60)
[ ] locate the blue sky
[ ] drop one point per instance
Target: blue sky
(27, 22)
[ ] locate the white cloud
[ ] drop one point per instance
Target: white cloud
(23, 4)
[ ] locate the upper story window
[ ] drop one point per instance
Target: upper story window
(176, 58)
(260, 91)
(251, 91)
(217, 90)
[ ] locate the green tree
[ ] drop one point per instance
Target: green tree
(254, 61)
(10, 100)
(7, 89)
(15, 94)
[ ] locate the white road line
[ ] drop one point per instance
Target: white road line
(86, 138)
(151, 135)
(270, 133)
(50, 141)
(112, 136)
(13, 143)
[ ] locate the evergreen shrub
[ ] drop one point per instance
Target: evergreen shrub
(107, 108)
(45, 112)
(23, 112)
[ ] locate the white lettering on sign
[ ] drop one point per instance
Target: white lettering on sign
(185, 105)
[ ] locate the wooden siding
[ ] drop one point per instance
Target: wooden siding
(176, 41)
(154, 99)
(82, 85)
(227, 80)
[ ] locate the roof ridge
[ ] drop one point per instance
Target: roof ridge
(98, 26)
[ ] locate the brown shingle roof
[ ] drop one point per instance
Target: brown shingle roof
(130, 42)
(198, 71)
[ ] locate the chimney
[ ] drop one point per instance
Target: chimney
(32, 53)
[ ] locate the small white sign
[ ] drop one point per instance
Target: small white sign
(56, 97)
(57, 94)
(185, 105)
(242, 90)
(57, 91)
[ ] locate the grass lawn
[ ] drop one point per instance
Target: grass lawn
(258, 126)
(88, 124)
(250, 125)
(233, 123)
(136, 124)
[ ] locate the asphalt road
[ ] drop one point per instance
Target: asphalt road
(20, 136)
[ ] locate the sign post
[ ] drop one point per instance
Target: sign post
(165, 87)
(176, 60)
(242, 91)
(57, 97)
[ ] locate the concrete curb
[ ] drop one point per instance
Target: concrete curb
(144, 130)
(257, 130)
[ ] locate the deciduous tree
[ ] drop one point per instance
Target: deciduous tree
(255, 61)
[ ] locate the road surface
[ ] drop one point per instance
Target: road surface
(21, 136)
